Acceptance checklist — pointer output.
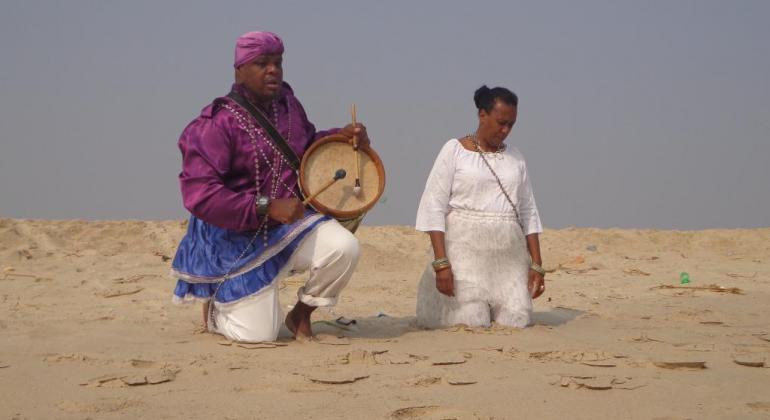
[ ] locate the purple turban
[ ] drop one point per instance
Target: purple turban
(253, 44)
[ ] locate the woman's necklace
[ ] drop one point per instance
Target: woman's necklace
(475, 140)
(497, 154)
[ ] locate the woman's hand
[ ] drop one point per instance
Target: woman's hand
(535, 284)
(362, 138)
(445, 282)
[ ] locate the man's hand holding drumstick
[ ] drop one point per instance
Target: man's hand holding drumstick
(289, 210)
(286, 210)
(356, 132)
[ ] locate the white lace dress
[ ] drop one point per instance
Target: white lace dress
(484, 242)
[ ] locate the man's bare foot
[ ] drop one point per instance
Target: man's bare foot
(298, 321)
(289, 322)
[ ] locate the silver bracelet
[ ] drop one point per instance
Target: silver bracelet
(537, 269)
(440, 262)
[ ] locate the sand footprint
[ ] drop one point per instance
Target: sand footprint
(104, 405)
(433, 412)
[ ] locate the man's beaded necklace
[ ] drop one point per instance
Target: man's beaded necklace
(279, 162)
(274, 174)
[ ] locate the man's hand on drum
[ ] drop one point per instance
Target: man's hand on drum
(362, 138)
(286, 210)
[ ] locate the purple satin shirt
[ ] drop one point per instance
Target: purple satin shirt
(218, 172)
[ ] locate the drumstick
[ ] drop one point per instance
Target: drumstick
(337, 176)
(357, 187)
(353, 114)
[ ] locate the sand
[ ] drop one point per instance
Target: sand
(88, 330)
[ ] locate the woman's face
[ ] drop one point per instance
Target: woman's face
(495, 125)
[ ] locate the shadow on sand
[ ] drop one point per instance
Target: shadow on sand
(555, 317)
(371, 327)
(384, 327)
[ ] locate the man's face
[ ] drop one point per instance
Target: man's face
(263, 76)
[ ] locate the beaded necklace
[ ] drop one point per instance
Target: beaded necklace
(495, 154)
(279, 160)
(274, 174)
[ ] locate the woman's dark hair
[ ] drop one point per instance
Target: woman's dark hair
(485, 98)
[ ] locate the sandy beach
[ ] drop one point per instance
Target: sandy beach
(88, 330)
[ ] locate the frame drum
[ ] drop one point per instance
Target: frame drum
(323, 159)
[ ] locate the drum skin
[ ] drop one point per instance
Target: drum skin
(323, 159)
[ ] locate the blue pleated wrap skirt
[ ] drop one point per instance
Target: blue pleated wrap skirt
(227, 265)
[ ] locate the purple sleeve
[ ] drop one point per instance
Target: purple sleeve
(324, 133)
(206, 161)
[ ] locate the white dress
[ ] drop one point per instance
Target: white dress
(484, 242)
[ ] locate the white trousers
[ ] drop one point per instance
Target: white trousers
(330, 253)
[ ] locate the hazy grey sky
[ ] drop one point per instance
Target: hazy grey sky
(632, 114)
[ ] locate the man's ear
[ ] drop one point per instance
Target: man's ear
(237, 75)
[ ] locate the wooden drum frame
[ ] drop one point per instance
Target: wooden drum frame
(323, 159)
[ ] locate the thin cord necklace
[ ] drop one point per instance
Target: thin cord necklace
(497, 178)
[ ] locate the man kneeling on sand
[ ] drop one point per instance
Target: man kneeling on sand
(248, 227)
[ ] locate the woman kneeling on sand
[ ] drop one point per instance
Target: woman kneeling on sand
(480, 213)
